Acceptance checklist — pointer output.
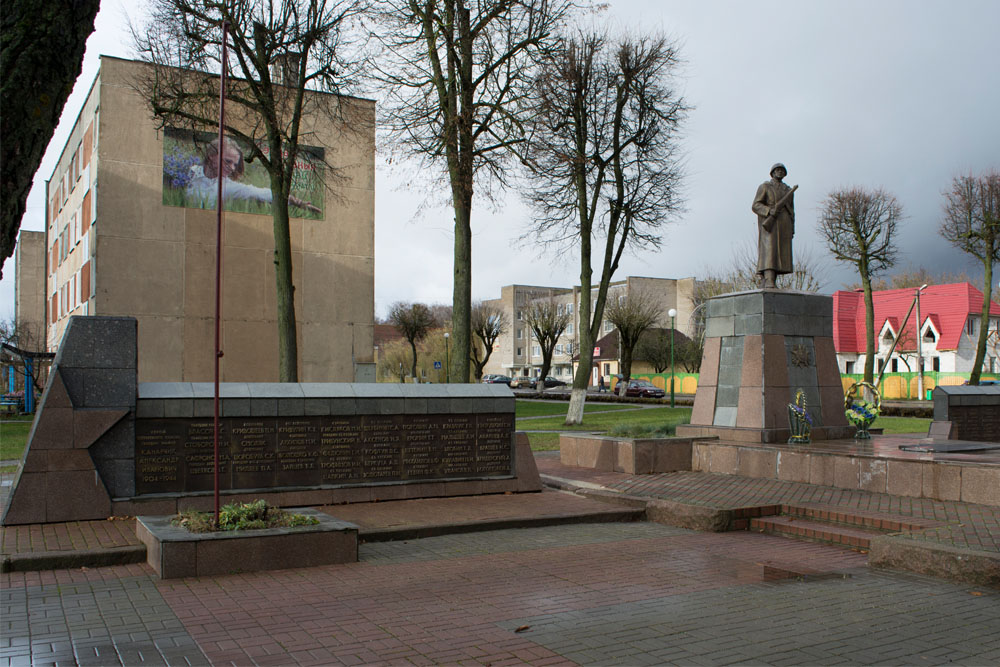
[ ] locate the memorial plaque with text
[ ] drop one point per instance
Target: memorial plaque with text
(176, 455)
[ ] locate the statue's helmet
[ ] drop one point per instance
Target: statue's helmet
(775, 166)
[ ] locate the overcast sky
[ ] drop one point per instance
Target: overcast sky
(898, 94)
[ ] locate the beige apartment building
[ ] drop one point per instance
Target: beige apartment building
(517, 352)
(29, 292)
(129, 233)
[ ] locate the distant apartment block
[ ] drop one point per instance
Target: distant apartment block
(518, 353)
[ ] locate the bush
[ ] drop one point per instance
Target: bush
(241, 516)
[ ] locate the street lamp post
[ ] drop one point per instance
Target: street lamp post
(673, 314)
(920, 361)
(447, 364)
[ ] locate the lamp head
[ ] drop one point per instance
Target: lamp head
(446, 334)
(672, 312)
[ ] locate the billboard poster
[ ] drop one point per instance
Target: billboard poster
(190, 165)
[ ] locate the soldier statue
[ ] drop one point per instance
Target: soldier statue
(775, 211)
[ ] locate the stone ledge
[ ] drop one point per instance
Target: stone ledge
(981, 568)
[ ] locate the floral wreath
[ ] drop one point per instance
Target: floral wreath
(799, 407)
(859, 411)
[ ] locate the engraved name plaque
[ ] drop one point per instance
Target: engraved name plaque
(176, 455)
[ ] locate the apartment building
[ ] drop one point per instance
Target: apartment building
(129, 232)
(517, 352)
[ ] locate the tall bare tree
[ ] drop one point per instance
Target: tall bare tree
(972, 224)
(456, 78)
(41, 56)
(278, 51)
(632, 314)
(547, 322)
(413, 321)
(859, 227)
(489, 322)
(604, 162)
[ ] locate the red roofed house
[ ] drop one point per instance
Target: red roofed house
(949, 328)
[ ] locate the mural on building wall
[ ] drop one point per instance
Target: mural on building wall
(190, 166)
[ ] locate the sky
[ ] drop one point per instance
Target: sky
(898, 94)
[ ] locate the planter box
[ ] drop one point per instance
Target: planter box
(175, 552)
(636, 456)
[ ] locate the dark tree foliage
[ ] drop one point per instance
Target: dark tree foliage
(859, 227)
(488, 322)
(604, 162)
(632, 316)
(547, 322)
(41, 55)
(972, 224)
(456, 75)
(413, 321)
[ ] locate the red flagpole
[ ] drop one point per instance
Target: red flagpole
(218, 260)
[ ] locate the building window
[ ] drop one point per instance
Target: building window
(520, 315)
(559, 349)
(569, 329)
(936, 363)
(569, 309)
(536, 351)
(519, 351)
(849, 367)
(970, 326)
(607, 369)
(519, 333)
(559, 309)
(895, 365)
(608, 326)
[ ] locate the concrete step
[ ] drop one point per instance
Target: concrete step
(821, 531)
(878, 521)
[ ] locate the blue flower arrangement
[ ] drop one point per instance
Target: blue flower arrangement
(799, 419)
(859, 412)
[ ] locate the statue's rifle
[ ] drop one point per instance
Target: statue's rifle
(769, 221)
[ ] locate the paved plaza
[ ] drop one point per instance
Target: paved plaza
(603, 593)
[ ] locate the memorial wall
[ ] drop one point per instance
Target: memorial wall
(177, 455)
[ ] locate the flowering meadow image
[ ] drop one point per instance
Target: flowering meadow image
(190, 168)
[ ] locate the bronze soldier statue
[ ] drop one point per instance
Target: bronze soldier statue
(775, 211)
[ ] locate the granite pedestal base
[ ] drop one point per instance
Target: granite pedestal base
(761, 347)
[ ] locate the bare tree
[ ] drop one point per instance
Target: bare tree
(456, 76)
(547, 322)
(278, 51)
(413, 321)
(604, 163)
(972, 224)
(914, 278)
(41, 56)
(394, 357)
(632, 314)
(488, 322)
(859, 227)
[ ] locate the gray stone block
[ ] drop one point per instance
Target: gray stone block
(263, 407)
(389, 406)
(500, 390)
(748, 325)
(722, 306)
(503, 404)
(234, 390)
(468, 390)
(751, 303)
(99, 342)
(149, 408)
(180, 407)
(366, 406)
(316, 407)
(73, 378)
(117, 443)
(108, 387)
(730, 375)
(727, 397)
(204, 407)
(724, 417)
(291, 407)
(235, 407)
(415, 406)
(377, 390)
(482, 406)
(274, 390)
(940, 405)
(327, 390)
(438, 406)
(118, 476)
(719, 326)
(165, 390)
(343, 406)
(204, 389)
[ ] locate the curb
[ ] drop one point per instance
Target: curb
(418, 532)
(937, 560)
(59, 560)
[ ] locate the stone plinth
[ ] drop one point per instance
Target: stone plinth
(967, 413)
(635, 456)
(175, 552)
(761, 346)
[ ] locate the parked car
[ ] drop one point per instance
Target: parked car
(553, 382)
(496, 378)
(643, 389)
(522, 382)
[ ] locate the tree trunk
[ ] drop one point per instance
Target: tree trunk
(288, 349)
(866, 284)
(984, 325)
(462, 292)
(413, 371)
(41, 58)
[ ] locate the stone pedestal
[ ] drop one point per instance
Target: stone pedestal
(761, 346)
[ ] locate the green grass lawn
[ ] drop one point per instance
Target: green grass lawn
(14, 436)
(544, 442)
(539, 409)
(597, 421)
(903, 424)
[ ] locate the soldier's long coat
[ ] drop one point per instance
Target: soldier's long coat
(774, 248)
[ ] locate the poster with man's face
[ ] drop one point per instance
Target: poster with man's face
(190, 176)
